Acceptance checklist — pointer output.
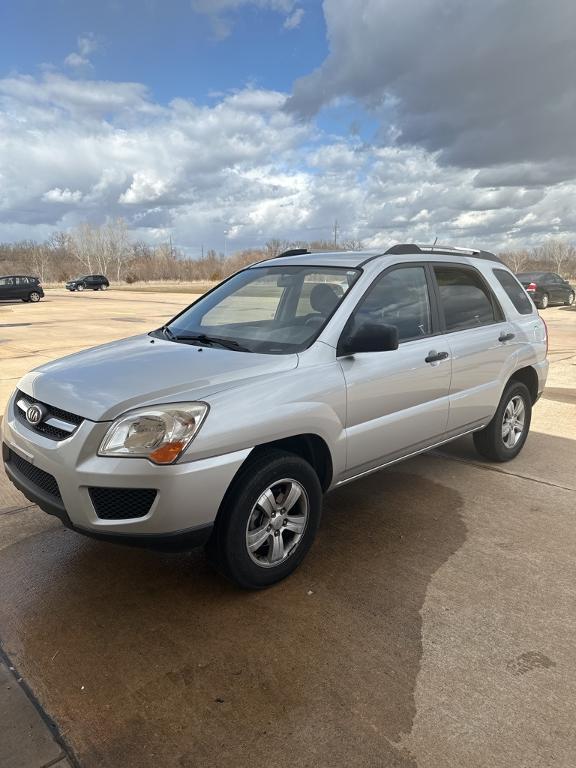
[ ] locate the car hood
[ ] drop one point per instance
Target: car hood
(101, 383)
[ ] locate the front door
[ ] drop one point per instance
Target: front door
(398, 400)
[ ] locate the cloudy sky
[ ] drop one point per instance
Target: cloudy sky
(242, 120)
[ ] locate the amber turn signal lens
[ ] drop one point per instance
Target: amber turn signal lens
(167, 453)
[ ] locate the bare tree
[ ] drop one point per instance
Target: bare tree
(275, 247)
(353, 245)
(558, 253)
(516, 260)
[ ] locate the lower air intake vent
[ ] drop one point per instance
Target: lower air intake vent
(122, 503)
(35, 475)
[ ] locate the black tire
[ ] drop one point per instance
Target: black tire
(228, 548)
(79, 287)
(34, 297)
(544, 302)
(489, 441)
(570, 300)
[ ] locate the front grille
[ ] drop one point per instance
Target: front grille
(54, 433)
(37, 476)
(121, 503)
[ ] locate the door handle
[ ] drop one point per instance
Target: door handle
(434, 357)
(506, 336)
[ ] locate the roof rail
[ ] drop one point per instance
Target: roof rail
(292, 252)
(403, 248)
(446, 250)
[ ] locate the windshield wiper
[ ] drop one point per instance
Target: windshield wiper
(168, 333)
(202, 338)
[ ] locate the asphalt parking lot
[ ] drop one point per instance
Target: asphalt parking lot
(431, 626)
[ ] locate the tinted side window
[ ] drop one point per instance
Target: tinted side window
(399, 298)
(514, 291)
(464, 299)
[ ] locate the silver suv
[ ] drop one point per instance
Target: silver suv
(294, 376)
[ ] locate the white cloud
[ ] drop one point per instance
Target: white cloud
(295, 19)
(95, 149)
(220, 11)
(78, 59)
(58, 195)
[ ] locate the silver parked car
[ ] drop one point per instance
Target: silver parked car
(294, 376)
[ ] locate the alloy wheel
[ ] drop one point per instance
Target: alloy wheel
(513, 421)
(277, 523)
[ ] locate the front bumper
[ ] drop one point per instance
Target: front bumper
(187, 499)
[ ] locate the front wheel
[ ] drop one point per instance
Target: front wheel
(570, 300)
(268, 521)
(505, 435)
(79, 288)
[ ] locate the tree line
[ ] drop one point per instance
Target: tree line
(109, 250)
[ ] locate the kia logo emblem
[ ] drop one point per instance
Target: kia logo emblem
(35, 414)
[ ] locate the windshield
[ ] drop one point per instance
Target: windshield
(273, 310)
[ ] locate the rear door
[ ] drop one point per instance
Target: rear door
(21, 287)
(481, 342)
(397, 401)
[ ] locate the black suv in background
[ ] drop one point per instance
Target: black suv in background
(547, 288)
(88, 283)
(20, 287)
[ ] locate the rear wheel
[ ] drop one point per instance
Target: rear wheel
(570, 300)
(103, 287)
(544, 301)
(506, 434)
(34, 296)
(268, 521)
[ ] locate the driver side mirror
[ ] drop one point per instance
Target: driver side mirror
(369, 337)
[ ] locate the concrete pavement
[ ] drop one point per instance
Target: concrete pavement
(431, 626)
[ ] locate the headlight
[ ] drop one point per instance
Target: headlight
(160, 433)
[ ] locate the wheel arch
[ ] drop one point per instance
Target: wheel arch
(529, 377)
(310, 447)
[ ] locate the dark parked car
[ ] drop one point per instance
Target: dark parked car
(21, 287)
(88, 283)
(547, 288)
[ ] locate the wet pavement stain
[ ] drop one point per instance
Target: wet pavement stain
(148, 660)
(528, 661)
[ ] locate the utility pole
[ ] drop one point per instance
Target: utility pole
(336, 233)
